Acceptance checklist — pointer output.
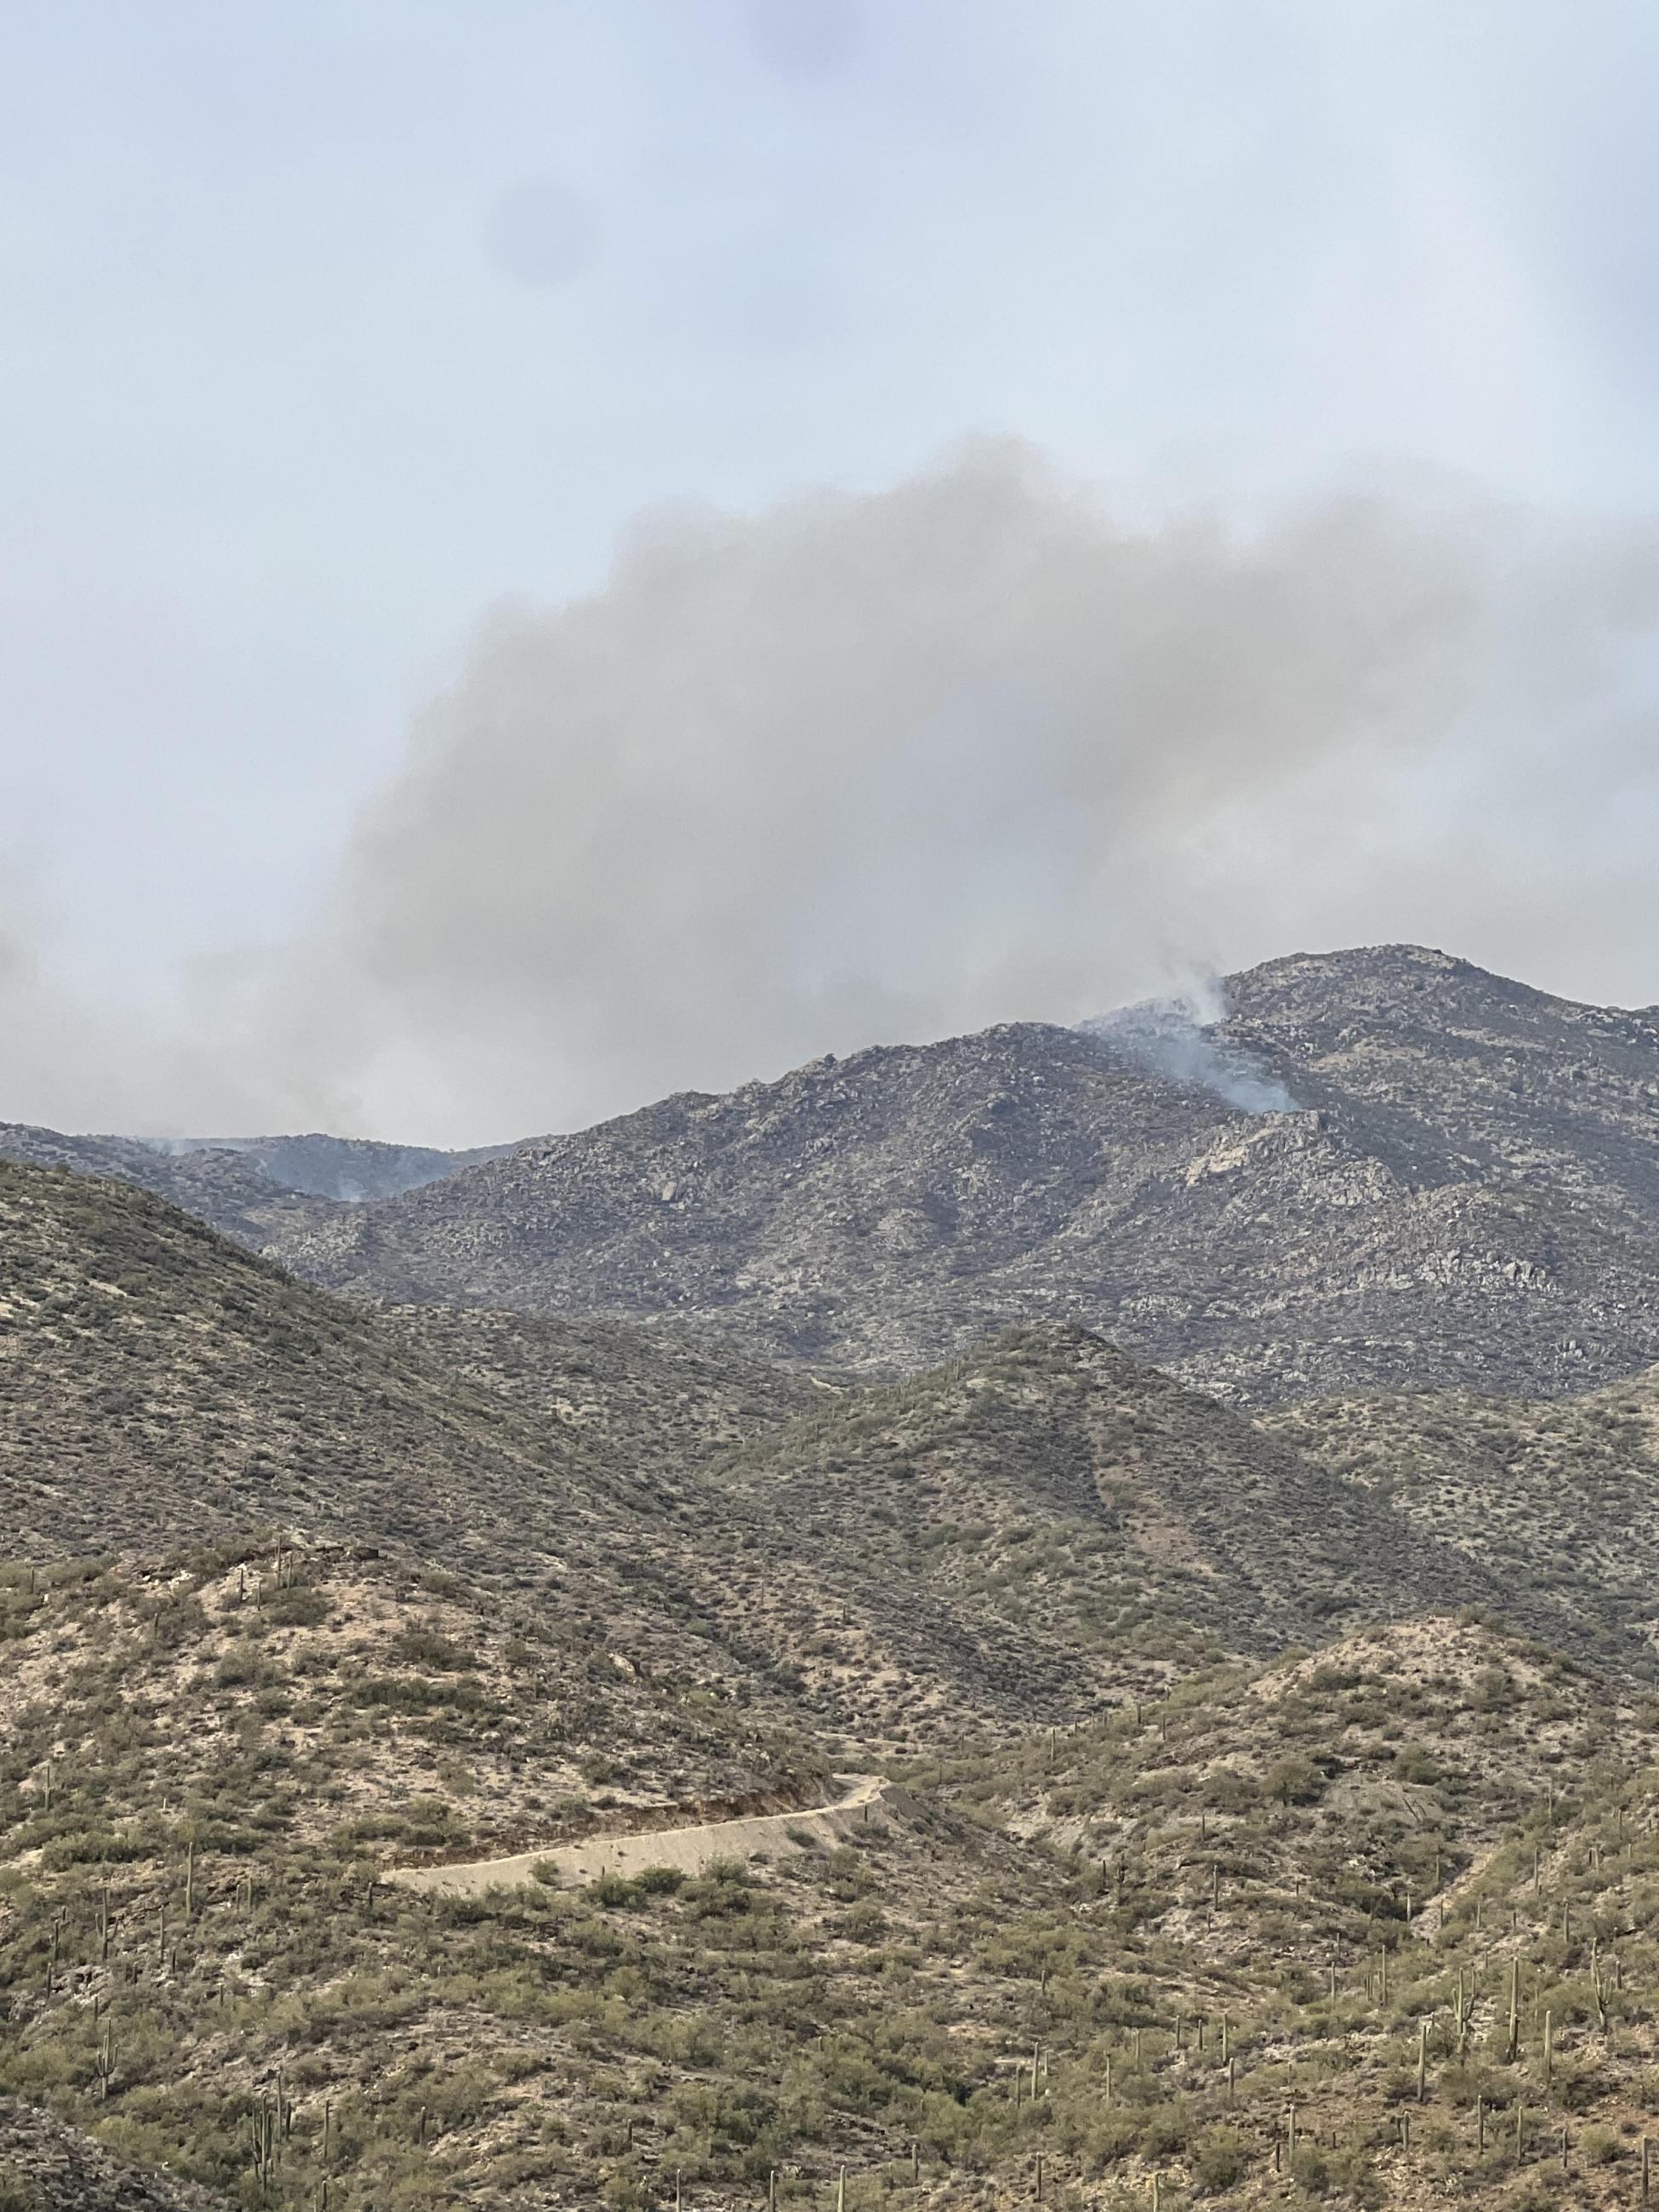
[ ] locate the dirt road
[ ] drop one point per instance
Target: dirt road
(867, 1799)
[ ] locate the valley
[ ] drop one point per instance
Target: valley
(981, 1625)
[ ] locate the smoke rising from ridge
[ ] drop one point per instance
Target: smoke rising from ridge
(1174, 1038)
(888, 765)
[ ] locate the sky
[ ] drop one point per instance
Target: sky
(558, 552)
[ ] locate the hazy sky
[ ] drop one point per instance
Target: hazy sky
(347, 344)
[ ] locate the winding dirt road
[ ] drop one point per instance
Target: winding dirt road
(867, 1799)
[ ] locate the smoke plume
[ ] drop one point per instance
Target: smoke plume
(886, 765)
(1176, 1038)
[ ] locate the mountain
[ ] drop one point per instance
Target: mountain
(235, 1196)
(1461, 1191)
(348, 1168)
(257, 1189)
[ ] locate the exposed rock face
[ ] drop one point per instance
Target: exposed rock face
(1466, 1192)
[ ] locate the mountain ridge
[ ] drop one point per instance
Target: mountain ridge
(1405, 1223)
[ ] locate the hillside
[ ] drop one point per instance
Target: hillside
(233, 1195)
(1257, 1936)
(348, 1168)
(1077, 1527)
(257, 1189)
(1017, 1536)
(161, 1389)
(1543, 1496)
(645, 1396)
(298, 1592)
(1465, 1193)
(1321, 1885)
(1514, 1084)
(47, 2166)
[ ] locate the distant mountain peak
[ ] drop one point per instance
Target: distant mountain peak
(1375, 1167)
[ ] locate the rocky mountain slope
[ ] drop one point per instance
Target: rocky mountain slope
(162, 1390)
(1542, 1495)
(47, 2166)
(257, 1189)
(350, 1168)
(235, 1195)
(1463, 1190)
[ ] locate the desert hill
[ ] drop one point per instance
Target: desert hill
(233, 1194)
(1543, 1496)
(302, 1590)
(161, 1385)
(162, 1389)
(1091, 1525)
(348, 1168)
(1463, 1190)
(1017, 1536)
(1231, 1938)
(253, 1189)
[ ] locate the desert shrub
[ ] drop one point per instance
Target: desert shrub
(1166, 2129)
(1494, 1690)
(864, 1922)
(1295, 1782)
(1414, 1764)
(92, 1847)
(659, 1880)
(301, 1606)
(1220, 2158)
(1311, 2171)
(1227, 1790)
(413, 1693)
(1579, 2083)
(245, 1670)
(424, 1647)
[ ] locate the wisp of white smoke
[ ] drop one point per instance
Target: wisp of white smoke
(1176, 1038)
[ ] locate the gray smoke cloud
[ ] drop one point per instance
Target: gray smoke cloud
(1176, 1038)
(883, 766)
(887, 765)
